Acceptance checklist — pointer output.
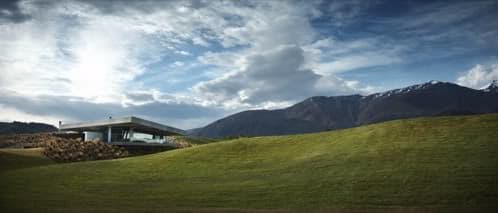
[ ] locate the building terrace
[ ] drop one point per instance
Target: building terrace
(125, 131)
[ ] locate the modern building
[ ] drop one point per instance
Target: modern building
(127, 130)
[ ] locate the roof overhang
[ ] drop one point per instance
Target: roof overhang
(138, 124)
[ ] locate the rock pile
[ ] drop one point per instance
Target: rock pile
(32, 140)
(179, 142)
(23, 140)
(72, 150)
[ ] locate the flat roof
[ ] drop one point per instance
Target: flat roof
(139, 125)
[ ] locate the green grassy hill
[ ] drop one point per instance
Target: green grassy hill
(407, 165)
(22, 158)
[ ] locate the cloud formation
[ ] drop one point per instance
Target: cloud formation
(11, 12)
(273, 75)
(72, 52)
(479, 76)
(278, 75)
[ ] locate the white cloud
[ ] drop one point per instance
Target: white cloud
(478, 76)
(88, 55)
(9, 114)
(438, 14)
(270, 77)
(343, 12)
(200, 41)
(181, 52)
(284, 62)
(177, 64)
(352, 62)
(103, 64)
(330, 56)
(225, 60)
(461, 24)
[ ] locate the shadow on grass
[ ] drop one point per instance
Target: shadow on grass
(11, 159)
(324, 210)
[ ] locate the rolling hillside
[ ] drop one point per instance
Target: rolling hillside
(424, 164)
(322, 113)
(17, 127)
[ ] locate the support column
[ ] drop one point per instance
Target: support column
(109, 134)
(131, 133)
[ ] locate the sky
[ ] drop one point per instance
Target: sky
(189, 63)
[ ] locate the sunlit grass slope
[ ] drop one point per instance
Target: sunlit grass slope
(444, 162)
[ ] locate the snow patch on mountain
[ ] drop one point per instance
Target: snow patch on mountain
(409, 89)
(492, 87)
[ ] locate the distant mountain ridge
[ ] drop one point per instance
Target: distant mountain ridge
(322, 113)
(17, 127)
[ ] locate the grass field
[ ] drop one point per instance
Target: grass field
(22, 158)
(427, 164)
(198, 140)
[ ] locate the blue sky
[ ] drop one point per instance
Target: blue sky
(188, 63)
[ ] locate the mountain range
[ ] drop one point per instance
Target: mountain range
(322, 113)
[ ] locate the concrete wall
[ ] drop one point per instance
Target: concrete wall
(93, 136)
